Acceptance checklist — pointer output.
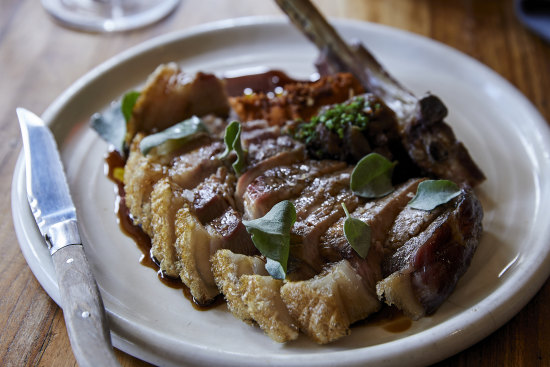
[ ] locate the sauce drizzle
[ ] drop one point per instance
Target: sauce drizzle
(114, 160)
(390, 319)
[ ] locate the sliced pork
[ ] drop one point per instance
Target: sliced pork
(171, 96)
(325, 305)
(166, 200)
(186, 167)
(426, 268)
(317, 208)
(191, 203)
(345, 292)
(252, 295)
(227, 268)
(213, 195)
(262, 295)
(268, 153)
(282, 183)
(141, 173)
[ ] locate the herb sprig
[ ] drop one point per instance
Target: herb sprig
(128, 102)
(357, 233)
(432, 193)
(177, 134)
(110, 124)
(372, 176)
(271, 236)
(232, 141)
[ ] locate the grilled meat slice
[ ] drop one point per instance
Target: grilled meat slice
(140, 175)
(317, 208)
(297, 101)
(260, 150)
(326, 305)
(320, 190)
(380, 215)
(409, 223)
(171, 96)
(213, 196)
(233, 232)
(262, 295)
(282, 183)
(434, 148)
(252, 295)
(265, 154)
(425, 270)
(228, 268)
(186, 167)
(420, 120)
(190, 169)
(358, 298)
(196, 243)
(208, 201)
(166, 200)
(257, 130)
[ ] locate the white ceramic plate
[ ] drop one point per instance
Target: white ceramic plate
(504, 133)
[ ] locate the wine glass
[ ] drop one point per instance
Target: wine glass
(109, 15)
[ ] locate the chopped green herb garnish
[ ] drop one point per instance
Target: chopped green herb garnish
(337, 118)
(271, 236)
(432, 193)
(177, 134)
(357, 233)
(372, 176)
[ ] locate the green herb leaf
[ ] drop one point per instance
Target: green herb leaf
(432, 193)
(111, 126)
(128, 103)
(271, 236)
(357, 233)
(371, 177)
(232, 141)
(178, 134)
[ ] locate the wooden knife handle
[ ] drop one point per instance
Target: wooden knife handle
(83, 309)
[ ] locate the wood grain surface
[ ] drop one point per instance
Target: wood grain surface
(39, 59)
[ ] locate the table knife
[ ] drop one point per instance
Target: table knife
(55, 214)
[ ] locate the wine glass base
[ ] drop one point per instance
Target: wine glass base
(108, 15)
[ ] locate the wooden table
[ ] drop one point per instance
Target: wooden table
(39, 59)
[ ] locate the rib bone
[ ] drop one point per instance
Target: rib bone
(429, 141)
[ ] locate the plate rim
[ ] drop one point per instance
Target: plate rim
(500, 314)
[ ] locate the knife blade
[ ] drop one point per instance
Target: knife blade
(55, 214)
